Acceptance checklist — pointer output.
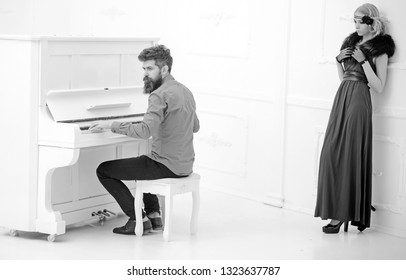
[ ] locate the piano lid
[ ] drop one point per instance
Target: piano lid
(92, 104)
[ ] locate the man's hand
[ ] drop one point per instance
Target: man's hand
(100, 126)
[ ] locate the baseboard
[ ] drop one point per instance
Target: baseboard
(300, 209)
(391, 231)
(381, 229)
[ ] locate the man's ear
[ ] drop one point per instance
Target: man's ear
(165, 70)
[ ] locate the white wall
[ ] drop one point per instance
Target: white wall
(233, 56)
(264, 78)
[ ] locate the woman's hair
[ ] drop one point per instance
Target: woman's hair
(159, 53)
(378, 25)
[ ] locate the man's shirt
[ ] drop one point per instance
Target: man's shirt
(171, 121)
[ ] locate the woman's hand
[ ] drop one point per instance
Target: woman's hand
(345, 53)
(358, 55)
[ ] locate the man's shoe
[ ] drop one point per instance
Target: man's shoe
(156, 221)
(129, 227)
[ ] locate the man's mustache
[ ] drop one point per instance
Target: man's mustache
(148, 84)
(147, 79)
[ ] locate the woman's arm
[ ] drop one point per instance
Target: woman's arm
(340, 70)
(377, 81)
(344, 53)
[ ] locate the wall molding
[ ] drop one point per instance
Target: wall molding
(324, 104)
(307, 102)
(300, 209)
(227, 27)
(322, 31)
(319, 133)
(400, 143)
(397, 65)
(221, 143)
(238, 94)
(391, 65)
(390, 112)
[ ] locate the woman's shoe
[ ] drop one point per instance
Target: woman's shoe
(335, 228)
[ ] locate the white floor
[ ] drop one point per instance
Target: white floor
(230, 228)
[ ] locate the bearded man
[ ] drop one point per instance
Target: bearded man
(170, 121)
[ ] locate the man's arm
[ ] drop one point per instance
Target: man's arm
(144, 129)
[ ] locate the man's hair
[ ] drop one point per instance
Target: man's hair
(159, 53)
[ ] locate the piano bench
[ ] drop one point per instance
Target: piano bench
(168, 187)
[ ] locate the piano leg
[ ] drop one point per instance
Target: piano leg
(50, 158)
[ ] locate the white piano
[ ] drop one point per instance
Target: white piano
(52, 88)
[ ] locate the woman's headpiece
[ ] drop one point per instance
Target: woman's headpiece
(367, 20)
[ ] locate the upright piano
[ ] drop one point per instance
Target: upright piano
(52, 89)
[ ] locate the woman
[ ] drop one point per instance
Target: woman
(345, 173)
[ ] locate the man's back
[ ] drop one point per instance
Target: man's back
(173, 110)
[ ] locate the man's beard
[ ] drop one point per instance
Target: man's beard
(151, 85)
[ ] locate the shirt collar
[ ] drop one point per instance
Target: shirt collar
(168, 78)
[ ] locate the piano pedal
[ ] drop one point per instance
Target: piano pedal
(105, 214)
(102, 215)
(109, 212)
(99, 215)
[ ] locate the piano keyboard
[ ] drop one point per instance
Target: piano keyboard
(85, 129)
(85, 124)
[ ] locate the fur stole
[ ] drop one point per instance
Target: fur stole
(374, 47)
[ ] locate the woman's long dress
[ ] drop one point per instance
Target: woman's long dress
(345, 171)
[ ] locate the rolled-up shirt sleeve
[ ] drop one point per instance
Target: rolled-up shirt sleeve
(150, 123)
